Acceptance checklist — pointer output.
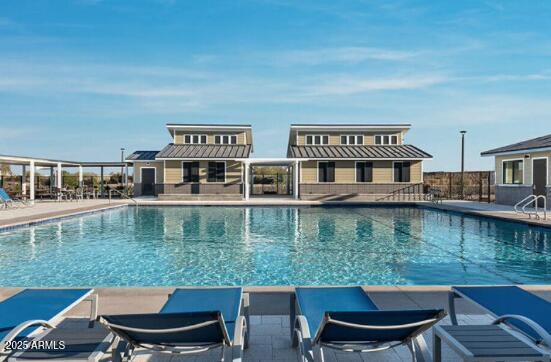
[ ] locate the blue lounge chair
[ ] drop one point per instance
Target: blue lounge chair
(32, 310)
(192, 321)
(7, 201)
(346, 319)
(523, 311)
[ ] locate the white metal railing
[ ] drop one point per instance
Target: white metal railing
(123, 195)
(524, 203)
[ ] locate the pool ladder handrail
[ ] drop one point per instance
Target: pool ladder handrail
(122, 195)
(529, 200)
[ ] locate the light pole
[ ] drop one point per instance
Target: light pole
(463, 164)
(122, 167)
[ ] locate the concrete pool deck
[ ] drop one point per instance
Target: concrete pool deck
(45, 210)
(270, 336)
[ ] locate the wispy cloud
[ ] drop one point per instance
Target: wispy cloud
(342, 55)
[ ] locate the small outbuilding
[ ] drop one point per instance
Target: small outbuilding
(522, 169)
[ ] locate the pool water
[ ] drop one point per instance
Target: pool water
(211, 246)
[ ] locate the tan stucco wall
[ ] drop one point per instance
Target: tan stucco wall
(345, 172)
(335, 137)
(241, 137)
(528, 175)
(174, 172)
(159, 170)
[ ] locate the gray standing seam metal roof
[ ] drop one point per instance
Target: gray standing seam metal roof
(142, 156)
(534, 143)
(360, 152)
(205, 151)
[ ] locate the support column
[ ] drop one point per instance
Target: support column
(59, 178)
(31, 191)
(23, 180)
(296, 172)
(101, 189)
(52, 179)
(247, 181)
(59, 181)
(80, 177)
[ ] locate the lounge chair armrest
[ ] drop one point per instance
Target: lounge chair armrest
(545, 337)
(239, 339)
(20, 328)
(301, 337)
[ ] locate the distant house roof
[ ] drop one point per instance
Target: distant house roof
(529, 145)
(204, 151)
(357, 152)
(142, 156)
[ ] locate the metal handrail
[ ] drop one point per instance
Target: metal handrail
(401, 192)
(527, 201)
(122, 195)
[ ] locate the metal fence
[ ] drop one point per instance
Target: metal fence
(478, 185)
(45, 184)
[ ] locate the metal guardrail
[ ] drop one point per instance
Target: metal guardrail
(123, 195)
(406, 193)
(524, 203)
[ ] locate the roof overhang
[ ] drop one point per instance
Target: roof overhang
(344, 127)
(515, 152)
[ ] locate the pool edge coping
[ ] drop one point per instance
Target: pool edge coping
(64, 216)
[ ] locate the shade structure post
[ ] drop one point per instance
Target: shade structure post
(80, 177)
(31, 190)
(23, 180)
(101, 188)
(59, 181)
(52, 178)
(246, 181)
(296, 166)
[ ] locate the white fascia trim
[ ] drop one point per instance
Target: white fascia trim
(175, 126)
(519, 152)
(360, 127)
(202, 159)
(364, 158)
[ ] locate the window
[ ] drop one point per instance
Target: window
(402, 171)
(386, 139)
(190, 171)
(513, 172)
(317, 140)
(352, 140)
(195, 139)
(225, 139)
(364, 171)
(326, 172)
(217, 172)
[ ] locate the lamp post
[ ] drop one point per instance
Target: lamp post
(463, 164)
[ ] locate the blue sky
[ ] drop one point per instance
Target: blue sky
(80, 79)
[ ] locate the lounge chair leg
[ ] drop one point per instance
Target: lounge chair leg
(94, 301)
(246, 312)
(292, 313)
(419, 350)
(318, 353)
(451, 307)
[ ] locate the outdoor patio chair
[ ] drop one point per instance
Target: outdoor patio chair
(521, 310)
(31, 311)
(346, 319)
(7, 201)
(192, 321)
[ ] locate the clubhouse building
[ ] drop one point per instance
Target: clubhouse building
(324, 161)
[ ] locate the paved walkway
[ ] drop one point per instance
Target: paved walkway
(42, 210)
(489, 209)
(270, 335)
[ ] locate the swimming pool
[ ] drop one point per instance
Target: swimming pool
(209, 246)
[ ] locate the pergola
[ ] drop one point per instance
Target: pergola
(289, 162)
(32, 163)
